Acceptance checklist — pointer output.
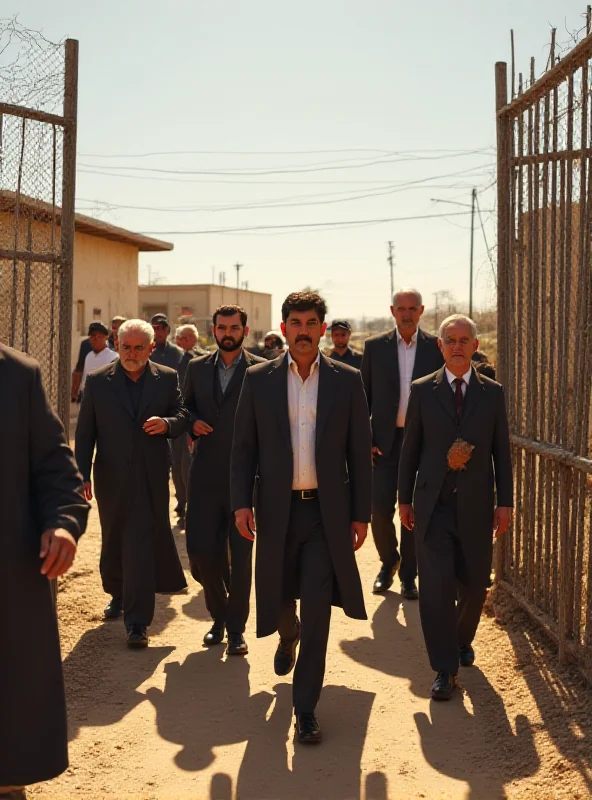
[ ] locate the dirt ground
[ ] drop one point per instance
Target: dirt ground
(179, 721)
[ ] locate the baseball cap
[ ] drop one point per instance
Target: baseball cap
(340, 323)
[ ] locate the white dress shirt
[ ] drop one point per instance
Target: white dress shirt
(406, 353)
(466, 378)
(302, 410)
(95, 361)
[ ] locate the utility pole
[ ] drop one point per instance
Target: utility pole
(473, 204)
(238, 267)
(436, 320)
(391, 260)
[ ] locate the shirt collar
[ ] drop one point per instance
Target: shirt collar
(314, 365)
(400, 338)
(466, 377)
(233, 363)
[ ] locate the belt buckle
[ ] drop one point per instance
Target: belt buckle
(307, 494)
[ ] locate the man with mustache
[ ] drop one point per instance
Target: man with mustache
(302, 437)
(391, 361)
(211, 391)
(129, 409)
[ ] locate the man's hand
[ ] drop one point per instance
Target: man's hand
(407, 516)
(245, 523)
(459, 454)
(359, 532)
(201, 428)
(502, 517)
(58, 548)
(155, 426)
(87, 489)
(375, 452)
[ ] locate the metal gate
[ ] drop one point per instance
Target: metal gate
(545, 341)
(38, 110)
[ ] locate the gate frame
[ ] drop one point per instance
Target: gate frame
(65, 260)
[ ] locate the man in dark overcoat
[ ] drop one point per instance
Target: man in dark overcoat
(128, 410)
(211, 391)
(455, 457)
(302, 438)
(42, 515)
(391, 361)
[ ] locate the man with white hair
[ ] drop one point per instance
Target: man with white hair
(455, 460)
(391, 361)
(129, 409)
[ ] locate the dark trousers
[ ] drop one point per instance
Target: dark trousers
(450, 610)
(384, 500)
(180, 470)
(132, 578)
(308, 574)
(213, 541)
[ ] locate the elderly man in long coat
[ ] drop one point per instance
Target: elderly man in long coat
(129, 409)
(302, 428)
(42, 515)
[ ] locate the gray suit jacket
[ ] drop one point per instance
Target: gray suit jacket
(262, 448)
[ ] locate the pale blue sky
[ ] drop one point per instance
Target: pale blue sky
(328, 75)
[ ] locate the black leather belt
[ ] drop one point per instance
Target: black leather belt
(305, 494)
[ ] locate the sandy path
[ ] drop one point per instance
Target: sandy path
(178, 721)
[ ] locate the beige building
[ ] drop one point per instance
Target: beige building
(105, 281)
(197, 302)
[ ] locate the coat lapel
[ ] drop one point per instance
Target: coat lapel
(474, 393)
(118, 379)
(327, 387)
(444, 394)
(278, 376)
(149, 388)
(392, 344)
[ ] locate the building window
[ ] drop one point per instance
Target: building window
(97, 313)
(80, 317)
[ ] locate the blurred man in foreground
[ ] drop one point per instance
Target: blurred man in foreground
(42, 516)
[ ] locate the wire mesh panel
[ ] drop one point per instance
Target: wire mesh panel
(37, 156)
(545, 340)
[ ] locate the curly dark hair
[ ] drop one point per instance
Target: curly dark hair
(304, 301)
(230, 311)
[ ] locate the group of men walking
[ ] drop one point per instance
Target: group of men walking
(297, 453)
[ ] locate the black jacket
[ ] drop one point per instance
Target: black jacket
(210, 465)
(380, 373)
(263, 447)
(431, 427)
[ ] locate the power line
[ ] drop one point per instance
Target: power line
(466, 172)
(281, 203)
(304, 225)
(277, 171)
(277, 152)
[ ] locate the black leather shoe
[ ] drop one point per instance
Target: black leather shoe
(308, 730)
(409, 591)
(236, 645)
(114, 608)
(466, 655)
(384, 579)
(443, 686)
(137, 636)
(285, 655)
(215, 635)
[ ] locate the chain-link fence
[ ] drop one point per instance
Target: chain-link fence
(38, 88)
(545, 340)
